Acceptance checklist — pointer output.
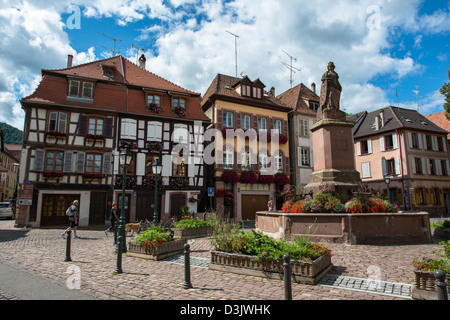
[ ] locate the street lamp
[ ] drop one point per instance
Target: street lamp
(157, 167)
(125, 158)
(387, 180)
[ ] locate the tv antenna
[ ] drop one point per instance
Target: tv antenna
(417, 92)
(290, 66)
(138, 49)
(114, 51)
(235, 49)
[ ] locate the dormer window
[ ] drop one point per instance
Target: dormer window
(257, 93)
(178, 102)
(108, 73)
(246, 90)
(80, 89)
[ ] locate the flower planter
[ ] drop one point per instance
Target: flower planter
(192, 233)
(425, 285)
(443, 234)
(156, 252)
(307, 272)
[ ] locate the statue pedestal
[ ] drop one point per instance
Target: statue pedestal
(334, 156)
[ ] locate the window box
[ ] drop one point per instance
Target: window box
(154, 146)
(249, 177)
(52, 175)
(150, 181)
(231, 177)
(92, 176)
(180, 111)
(95, 136)
(156, 108)
(128, 144)
(131, 182)
(55, 134)
(178, 183)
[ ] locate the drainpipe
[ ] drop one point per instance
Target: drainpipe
(401, 165)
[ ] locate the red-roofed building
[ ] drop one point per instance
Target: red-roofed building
(81, 117)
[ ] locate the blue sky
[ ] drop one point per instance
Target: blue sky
(380, 47)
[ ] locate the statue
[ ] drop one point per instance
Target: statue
(330, 93)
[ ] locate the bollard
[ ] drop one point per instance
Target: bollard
(441, 286)
(116, 225)
(119, 256)
(68, 258)
(287, 277)
(187, 267)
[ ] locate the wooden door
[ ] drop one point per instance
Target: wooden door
(177, 200)
(97, 208)
(54, 208)
(251, 204)
(145, 207)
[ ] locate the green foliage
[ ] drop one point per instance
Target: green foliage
(441, 224)
(192, 224)
(431, 265)
(184, 210)
(153, 235)
(12, 135)
(445, 90)
(235, 240)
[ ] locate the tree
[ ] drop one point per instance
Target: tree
(445, 90)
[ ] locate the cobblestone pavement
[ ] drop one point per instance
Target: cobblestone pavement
(42, 252)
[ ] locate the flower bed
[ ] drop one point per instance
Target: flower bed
(192, 228)
(155, 244)
(259, 255)
(442, 229)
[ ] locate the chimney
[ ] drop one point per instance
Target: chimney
(382, 118)
(142, 61)
(69, 61)
(313, 87)
(272, 92)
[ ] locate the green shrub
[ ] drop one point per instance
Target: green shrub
(154, 235)
(192, 224)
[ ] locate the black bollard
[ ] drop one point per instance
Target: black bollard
(287, 277)
(116, 226)
(119, 256)
(441, 286)
(187, 267)
(68, 258)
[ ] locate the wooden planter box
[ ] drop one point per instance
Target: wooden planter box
(302, 271)
(192, 233)
(156, 252)
(425, 285)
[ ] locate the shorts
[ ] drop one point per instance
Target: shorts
(72, 224)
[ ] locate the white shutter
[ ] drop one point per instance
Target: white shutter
(425, 165)
(366, 170)
(159, 129)
(81, 158)
(167, 166)
(437, 165)
(358, 148)
(448, 167)
(434, 143)
(395, 141)
(444, 143)
(133, 129)
(382, 144)
(68, 161)
(413, 165)
(39, 156)
(107, 163)
(140, 164)
(419, 137)
(384, 167)
(62, 123)
(311, 154)
(124, 127)
(151, 131)
(369, 146)
(116, 163)
(299, 156)
(425, 143)
(191, 168)
(397, 166)
(410, 140)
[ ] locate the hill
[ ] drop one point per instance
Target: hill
(12, 135)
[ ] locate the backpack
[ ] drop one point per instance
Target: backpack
(69, 212)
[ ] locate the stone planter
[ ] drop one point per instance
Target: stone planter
(156, 252)
(443, 234)
(192, 233)
(425, 285)
(307, 272)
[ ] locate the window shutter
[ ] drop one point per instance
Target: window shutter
(448, 167)
(81, 158)
(116, 163)
(419, 137)
(124, 128)
(382, 145)
(299, 156)
(434, 143)
(62, 123)
(109, 132)
(286, 165)
(68, 161)
(140, 164)
(444, 143)
(413, 165)
(410, 140)
(284, 128)
(82, 125)
(151, 131)
(219, 119)
(167, 166)
(384, 167)
(132, 129)
(238, 120)
(39, 160)
(159, 129)
(311, 154)
(438, 167)
(425, 143)
(191, 168)
(358, 148)
(397, 166)
(107, 163)
(423, 165)
(369, 146)
(429, 166)
(395, 141)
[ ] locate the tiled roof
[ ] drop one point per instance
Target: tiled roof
(223, 86)
(295, 99)
(53, 89)
(441, 120)
(394, 118)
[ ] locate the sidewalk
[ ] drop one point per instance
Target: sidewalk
(42, 252)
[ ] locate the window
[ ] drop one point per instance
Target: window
(81, 89)
(277, 126)
(180, 133)
(54, 161)
(313, 106)
(179, 102)
(263, 160)
(304, 128)
(95, 126)
(422, 196)
(245, 122)
(389, 142)
(246, 90)
(364, 147)
(444, 167)
(246, 161)
(417, 166)
(436, 196)
(154, 131)
(179, 168)
(431, 167)
(262, 125)
(366, 170)
(93, 163)
(57, 122)
(227, 120)
(416, 141)
(108, 73)
(304, 157)
(228, 158)
(440, 142)
(390, 167)
(429, 142)
(279, 162)
(257, 93)
(131, 169)
(128, 129)
(153, 99)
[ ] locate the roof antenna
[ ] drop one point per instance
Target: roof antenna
(398, 101)
(235, 49)
(417, 92)
(137, 52)
(290, 66)
(114, 51)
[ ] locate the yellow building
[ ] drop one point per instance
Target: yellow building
(246, 167)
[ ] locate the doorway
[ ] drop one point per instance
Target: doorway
(252, 204)
(54, 208)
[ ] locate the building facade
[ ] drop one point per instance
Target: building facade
(246, 167)
(304, 103)
(9, 168)
(77, 122)
(412, 151)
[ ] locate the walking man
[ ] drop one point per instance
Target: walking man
(72, 213)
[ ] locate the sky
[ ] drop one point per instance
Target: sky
(386, 52)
